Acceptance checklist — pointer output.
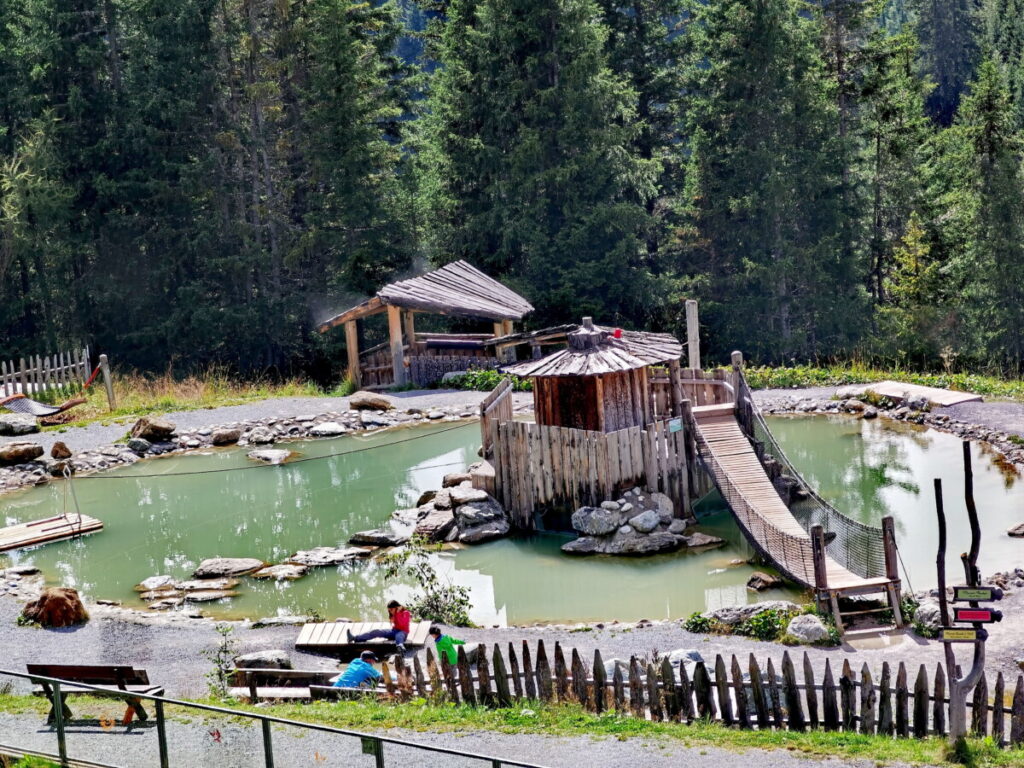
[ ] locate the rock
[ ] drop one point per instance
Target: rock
(160, 594)
(260, 436)
(328, 429)
(21, 570)
(281, 621)
(153, 428)
(154, 583)
(435, 415)
(324, 556)
(492, 530)
(611, 506)
(15, 424)
(381, 537)
(663, 504)
(436, 524)
(678, 527)
(371, 419)
(219, 567)
(225, 436)
(56, 607)
(870, 413)
(273, 659)
(270, 455)
(854, 406)
(139, 445)
(646, 521)
(595, 521)
(651, 544)
(443, 499)
(453, 479)
(204, 585)
(808, 628)
(1016, 531)
(685, 656)
(759, 581)
(281, 572)
(368, 401)
(465, 494)
(426, 497)
(166, 603)
(610, 666)
(929, 613)
(60, 451)
(209, 595)
(19, 453)
(737, 614)
(698, 539)
(478, 513)
(584, 545)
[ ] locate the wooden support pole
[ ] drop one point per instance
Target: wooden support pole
(409, 321)
(397, 352)
(108, 383)
(676, 387)
(352, 347)
(692, 334)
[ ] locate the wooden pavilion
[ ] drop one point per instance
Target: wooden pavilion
(457, 289)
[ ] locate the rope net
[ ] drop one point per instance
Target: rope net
(854, 545)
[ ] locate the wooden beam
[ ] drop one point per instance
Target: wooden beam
(410, 329)
(692, 334)
(352, 345)
(367, 308)
(397, 353)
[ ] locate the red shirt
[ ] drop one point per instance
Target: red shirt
(400, 620)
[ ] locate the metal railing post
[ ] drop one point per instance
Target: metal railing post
(58, 721)
(161, 734)
(380, 753)
(268, 744)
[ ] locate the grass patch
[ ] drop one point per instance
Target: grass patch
(787, 377)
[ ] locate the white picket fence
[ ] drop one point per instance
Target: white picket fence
(43, 376)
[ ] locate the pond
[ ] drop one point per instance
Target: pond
(158, 521)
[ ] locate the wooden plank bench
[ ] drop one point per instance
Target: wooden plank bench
(331, 638)
(277, 684)
(331, 693)
(114, 680)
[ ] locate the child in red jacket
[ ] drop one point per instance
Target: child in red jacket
(400, 618)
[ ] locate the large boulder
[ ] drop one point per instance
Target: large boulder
(139, 445)
(684, 656)
(389, 536)
(19, 453)
(491, 530)
(153, 428)
(466, 494)
(584, 545)
(808, 628)
(328, 429)
(929, 613)
(323, 556)
(646, 521)
(737, 614)
(60, 451)
(436, 524)
(56, 607)
(453, 479)
(651, 544)
(260, 436)
(595, 521)
(272, 659)
(281, 572)
(205, 585)
(270, 455)
(15, 424)
(698, 539)
(478, 513)
(368, 401)
(226, 436)
(220, 567)
(760, 581)
(155, 583)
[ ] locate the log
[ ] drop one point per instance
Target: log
(938, 703)
(669, 690)
(998, 718)
(600, 684)
(979, 708)
(702, 689)
(902, 702)
(619, 690)
(466, 678)
(636, 689)
(811, 692)
(757, 692)
(1017, 714)
(421, 683)
(868, 698)
(885, 723)
(561, 675)
(740, 690)
(545, 687)
(921, 703)
(653, 697)
(830, 703)
(579, 681)
(517, 680)
(685, 695)
(846, 690)
(529, 675)
(722, 686)
(504, 695)
(778, 718)
(793, 704)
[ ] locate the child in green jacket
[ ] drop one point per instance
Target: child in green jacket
(445, 645)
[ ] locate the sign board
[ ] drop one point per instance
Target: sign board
(957, 635)
(371, 746)
(962, 594)
(984, 615)
(675, 425)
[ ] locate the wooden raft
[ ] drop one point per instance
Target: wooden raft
(895, 390)
(330, 636)
(47, 531)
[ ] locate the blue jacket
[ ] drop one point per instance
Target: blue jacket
(357, 673)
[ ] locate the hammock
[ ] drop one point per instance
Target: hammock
(22, 404)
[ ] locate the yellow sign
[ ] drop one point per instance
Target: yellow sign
(960, 634)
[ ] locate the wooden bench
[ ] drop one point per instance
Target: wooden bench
(112, 680)
(330, 637)
(331, 693)
(277, 684)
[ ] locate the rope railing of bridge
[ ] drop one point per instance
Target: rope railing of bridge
(857, 547)
(793, 555)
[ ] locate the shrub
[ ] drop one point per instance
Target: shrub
(486, 379)
(697, 623)
(766, 625)
(440, 601)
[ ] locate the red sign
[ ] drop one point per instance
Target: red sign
(984, 615)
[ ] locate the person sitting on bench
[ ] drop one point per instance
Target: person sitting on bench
(445, 645)
(400, 618)
(360, 673)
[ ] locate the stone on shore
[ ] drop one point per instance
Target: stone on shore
(808, 628)
(651, 544)
(328, 429)
(646, 521)
(209, 595)
(139, 445)
(56, 607)
(19, 452)
(584, 545)
(14, 424)
(154, 583)
(436, 524)
(595, 521)
(281, 572)
(271, 659)
(381, 537)
(325, 556)
(760, 581)
(929, 613)
(698, 539)
(737, 614)
(205, 585)
(466, 494)
(225, 436)
(369, 401)
(260, 436)
(153, 428)
(453, 479)
(481, 521)
(60, 451)
(270, 455)
(219, 567)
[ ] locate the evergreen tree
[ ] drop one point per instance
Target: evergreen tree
(1004, 39)
(948, 31)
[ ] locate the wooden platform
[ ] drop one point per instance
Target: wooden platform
(330, 637)
(895, 390)
(46, 531)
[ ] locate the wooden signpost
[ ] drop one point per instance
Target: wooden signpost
(976, 615)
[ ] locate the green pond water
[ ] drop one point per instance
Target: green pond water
(168, 523)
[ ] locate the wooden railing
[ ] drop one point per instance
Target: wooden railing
(59, 375)
(495, 409)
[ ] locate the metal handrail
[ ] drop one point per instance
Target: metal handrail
(265, 720)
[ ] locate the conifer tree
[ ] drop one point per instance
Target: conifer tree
(948, 31)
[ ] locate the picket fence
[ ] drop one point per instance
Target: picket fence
(45, 377)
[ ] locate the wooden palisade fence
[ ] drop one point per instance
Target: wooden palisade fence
(743, 695)
(45, 377)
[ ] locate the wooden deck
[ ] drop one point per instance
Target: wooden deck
(895, 390)
(330, 636)
(46, 531)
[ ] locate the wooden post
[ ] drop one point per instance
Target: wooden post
(397, 351)
(740, 691)
(812, 693)
(774, 698)
(757, 693)
(998, 723)
(902, 700)
(108, 383)
(579, 680)
(465, 677)
(692, 334)
(436, 686)
(352, 348)
(483, 674)
(653, 699)
(529, 675)
(675, 379)
(921, 702)
(561, 674)
(513, 665)
(421, 683)
(409, 322)
(793, 703)
(722, 686)
(1017, 714)
(670, 693)
(545, 689)
(867, 701)
(885, 725)
(501, 679)
(979, 708)
(600, 684)
(939, 703)
(636, 688)
(846, 700)
(619, 690)
(702, 688)
(828, 697)
(685, 695)
(737, 398)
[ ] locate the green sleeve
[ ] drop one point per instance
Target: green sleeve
(458, 642)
